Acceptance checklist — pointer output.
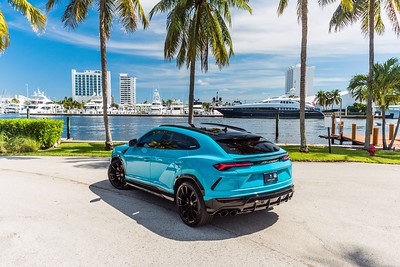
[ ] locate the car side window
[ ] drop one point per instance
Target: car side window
(152, 139)
(185, 142)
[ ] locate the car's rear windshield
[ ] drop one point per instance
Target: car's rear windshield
(247, 146)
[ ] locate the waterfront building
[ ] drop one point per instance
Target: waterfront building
(292, 86)
(87, 85)
(127, 88)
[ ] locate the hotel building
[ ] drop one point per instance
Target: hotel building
(127, 88)
(87, 85)
(292, 86)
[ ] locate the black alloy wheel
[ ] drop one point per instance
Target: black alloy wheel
(116, 174)
(191, 207)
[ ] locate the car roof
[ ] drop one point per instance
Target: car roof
(217, 131)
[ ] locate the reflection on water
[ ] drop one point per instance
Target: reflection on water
(124, 128)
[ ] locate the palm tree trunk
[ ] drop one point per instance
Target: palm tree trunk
(191, 91)
(394, 134)
(384, 128)
(104, 78)
(371, 73)
(303, 67)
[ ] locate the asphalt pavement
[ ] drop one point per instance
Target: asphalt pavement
(62, 211)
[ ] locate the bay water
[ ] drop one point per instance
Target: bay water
(124, 128)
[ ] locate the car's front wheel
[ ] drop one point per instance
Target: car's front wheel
(116, 174)
(191, 207)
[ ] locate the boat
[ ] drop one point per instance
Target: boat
(39, 103)
(94, 106)
(286, 107)
(13, 108)
(157, 107)
(176, 107)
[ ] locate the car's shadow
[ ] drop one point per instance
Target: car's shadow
(161, 217)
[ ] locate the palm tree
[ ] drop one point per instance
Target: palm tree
(384, 90)
(76, 12)
(321, 98)
(302, 13)
(335, 97)
(387, 82)
(194, 28)
(369, 12)
(34, 16)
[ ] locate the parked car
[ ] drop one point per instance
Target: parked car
(207, 170)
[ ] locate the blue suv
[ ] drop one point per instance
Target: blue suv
(207, 170)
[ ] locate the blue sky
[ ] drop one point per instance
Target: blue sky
(265, 46)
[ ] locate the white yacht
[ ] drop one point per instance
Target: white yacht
(39, 103)
(286, 107)
(13, 108)
(94, 106)
(176, 107)
(157, 107)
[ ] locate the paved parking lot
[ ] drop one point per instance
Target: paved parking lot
(61, 211)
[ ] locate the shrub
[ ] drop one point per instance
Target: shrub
(45, 131)
(17, 144)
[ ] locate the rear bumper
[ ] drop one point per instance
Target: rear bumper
(237, 205)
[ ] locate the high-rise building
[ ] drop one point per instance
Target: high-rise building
(293, 80)
(87, 85)
(127, 88)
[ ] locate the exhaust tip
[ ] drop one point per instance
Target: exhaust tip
(224, 213)
(233, 213)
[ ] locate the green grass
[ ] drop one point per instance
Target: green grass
(340, 154)
(316, 154)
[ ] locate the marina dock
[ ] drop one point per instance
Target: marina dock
(359, 139)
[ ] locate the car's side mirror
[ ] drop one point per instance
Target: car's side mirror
(133, 142)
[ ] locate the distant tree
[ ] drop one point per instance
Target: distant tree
(357, 107)
(128, 12)
(321, 98)
(33, 15)
(334, 97)
(15, 101)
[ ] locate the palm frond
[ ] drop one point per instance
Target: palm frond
(4, 35)
(75, 12)
(130, 11)
(282, 6)
(392, 8)
(32, 14)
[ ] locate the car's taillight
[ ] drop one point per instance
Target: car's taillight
(285, 158)
(226, 166)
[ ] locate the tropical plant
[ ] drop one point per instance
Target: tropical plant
(385, 89)
(321, 98)
(32, 14)
(370, 15)
(334, 97)
(77, 11)
(194, 28)
(302, 16)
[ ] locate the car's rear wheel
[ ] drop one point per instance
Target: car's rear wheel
(116, 174)
(191, 207)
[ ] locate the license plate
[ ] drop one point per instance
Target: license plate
(270, 177)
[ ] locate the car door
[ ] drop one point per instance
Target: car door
(138, 157)
(166, 161)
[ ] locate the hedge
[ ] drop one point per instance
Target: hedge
(46, 131)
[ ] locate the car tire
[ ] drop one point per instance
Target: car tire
(190, 203)
(116, 174)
